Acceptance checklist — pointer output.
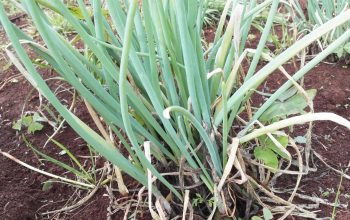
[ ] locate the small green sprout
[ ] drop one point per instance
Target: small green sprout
(33, 123)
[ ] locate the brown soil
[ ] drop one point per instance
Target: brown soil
(21, 194)
(331, 141)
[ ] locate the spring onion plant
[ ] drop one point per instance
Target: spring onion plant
(213, 11)
(318, 13)
(144, 70)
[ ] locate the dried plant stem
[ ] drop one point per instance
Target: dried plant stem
(44, 172)
(82, 201)
(277, 199)
(119, 177)
(300, 162)
(330, 167)
(302, 119)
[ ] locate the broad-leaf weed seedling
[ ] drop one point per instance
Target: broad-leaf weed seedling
(33, 123)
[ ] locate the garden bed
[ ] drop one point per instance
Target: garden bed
(21, 190)
(21, 194)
